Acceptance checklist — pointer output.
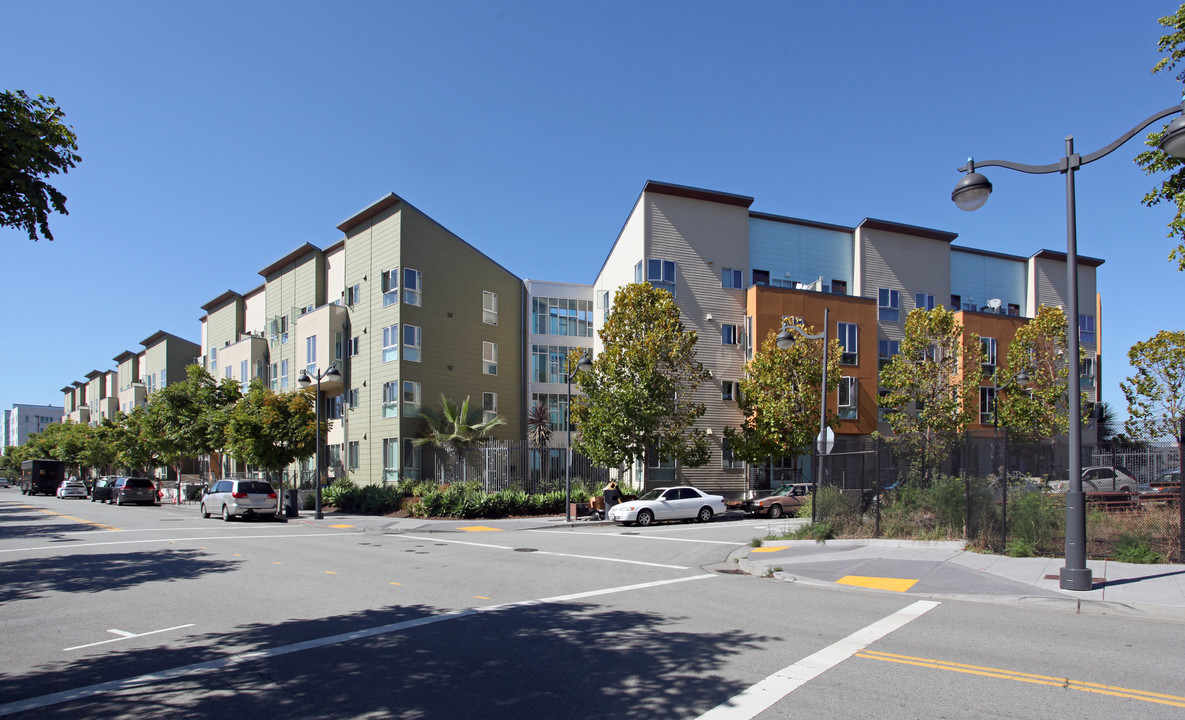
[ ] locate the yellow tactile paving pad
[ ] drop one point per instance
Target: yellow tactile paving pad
(878, 583)
(479, 528)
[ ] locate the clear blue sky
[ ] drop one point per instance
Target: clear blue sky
(218, 136)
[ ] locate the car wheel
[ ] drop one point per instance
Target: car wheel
(226, 516)
(645, 517)
(775, 511)
(705, 514)
(205, 512)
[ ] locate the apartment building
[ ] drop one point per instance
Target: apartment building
(737, 275)
(18, 423)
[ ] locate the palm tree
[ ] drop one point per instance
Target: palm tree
(539, 433)
(455, 429)
(1106, 421)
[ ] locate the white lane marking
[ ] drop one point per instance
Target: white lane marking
(124, 635)
(142, 680)
(170, 529)
(639, 537)
(751, 702)
(540, 552)
(175, 539)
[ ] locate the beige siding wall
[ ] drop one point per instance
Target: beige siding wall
(335, 273)
(904, 263)
(224, 324)
(255, 312)
(290, 289)
(702, 237)
(618, 270)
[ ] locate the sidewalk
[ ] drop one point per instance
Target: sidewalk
(945, 569)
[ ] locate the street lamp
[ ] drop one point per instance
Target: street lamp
(785, 340)
(971, 192)
(304, 381)
(584, 364)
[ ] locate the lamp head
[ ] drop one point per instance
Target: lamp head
(785, 340)
(585, 363)
(1021, 377)
(303, 380)
(971, 192)
(332, 372)
(1173, 140)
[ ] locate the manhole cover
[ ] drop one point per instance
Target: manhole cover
(525, 550)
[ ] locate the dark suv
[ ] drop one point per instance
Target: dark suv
(138, 490)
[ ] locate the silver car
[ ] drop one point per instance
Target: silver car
(1100, 479)
(240, 498)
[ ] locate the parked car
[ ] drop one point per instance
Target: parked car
(676, 503)
(1169, 482)
(1100, 479)
(103, 490)
(133, 490)
(783, 501)
(71, 489)
(241, 498)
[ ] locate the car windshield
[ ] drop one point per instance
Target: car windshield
(784, 490)
(653, 494)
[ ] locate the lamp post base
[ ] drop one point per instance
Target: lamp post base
(1076, 579)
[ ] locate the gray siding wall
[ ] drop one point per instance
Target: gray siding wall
(905, 263)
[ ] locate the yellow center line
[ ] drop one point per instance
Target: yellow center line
(68, 517)
(1159, 698)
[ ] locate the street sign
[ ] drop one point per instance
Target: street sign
(825, 443)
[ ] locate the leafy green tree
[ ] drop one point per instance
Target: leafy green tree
(34, 144)
(1037, 410)
(455, 429)
(933, 400)
(135, 442)
(190, 417)
(271, 430)
(98, 451)
(779, 399)
(65, 441)
(1155, 161)
(1156, 393)
(639, 395)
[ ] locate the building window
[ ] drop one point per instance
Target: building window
(1086, 329)
(411, 460)
(337, 346)
(274, 377)
(847, 340)
(562, 316)
(549, 363)
(1014, 309)
(1086, 371)
(489, 406)
(411, 399)
(885, 350)
(244, 375)
(987, 405)
(489, 358)
(391, 343)
(390, 399)
(310, 354)
(727, 460)
(731, 278)
(353, 294)
(283, 374)
(661, 274)
(283, 329)
(990, 350)
(353, 345)
(839, 287)
(489, 307)
(333, 407)
(956, 303)
(847, 397)
(390, 459)
(889, 302)
(352, 398)
(214, 361)
(638, 272)
(352, 455)
(412, 341)
(390, 287)
(413, 289)
(730, 390)
(728, 334)
(761, 277)
(748, 337)
(922, 301)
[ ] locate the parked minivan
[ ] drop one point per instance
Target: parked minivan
(241, 498)
(133, 490)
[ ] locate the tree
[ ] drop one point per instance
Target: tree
(1156, 393)
(190, 416)
(1155, 161)
(34, 144)
(99, 450)
(65, 441)
(1037, 410)
(272, 430)
(455, 429)
(639, 395)
(937, 373)
(135, 443)
(539, 433)
(779, 399)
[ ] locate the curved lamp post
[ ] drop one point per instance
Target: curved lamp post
(971, 192)
(304, 381)
(584, 364)
(785, 340)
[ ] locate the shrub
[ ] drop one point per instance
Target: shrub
(819, 532)
(1136, 549)
(1020, 547)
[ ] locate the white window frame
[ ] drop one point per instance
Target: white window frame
(888, 305)
(390, 406)
(923, 301)
(489, 406)
(841, 333)
(413, 341)
(848, 397)
(413, 287)
(729, 334)
(489, 358)
(310, 355)
(411, 399)
(662, 273)
(283, 374)
(353, 451)
(489, 307)
(1086, 329)
(390, 287)
(732, 278)
(391, 459)
(991, 353)
(886, 349)
(987, 405)
(391, 343)
(730, 390)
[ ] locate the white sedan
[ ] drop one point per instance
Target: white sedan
(674, 503)
(72, 489)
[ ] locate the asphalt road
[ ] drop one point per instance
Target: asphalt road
(147, 612)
